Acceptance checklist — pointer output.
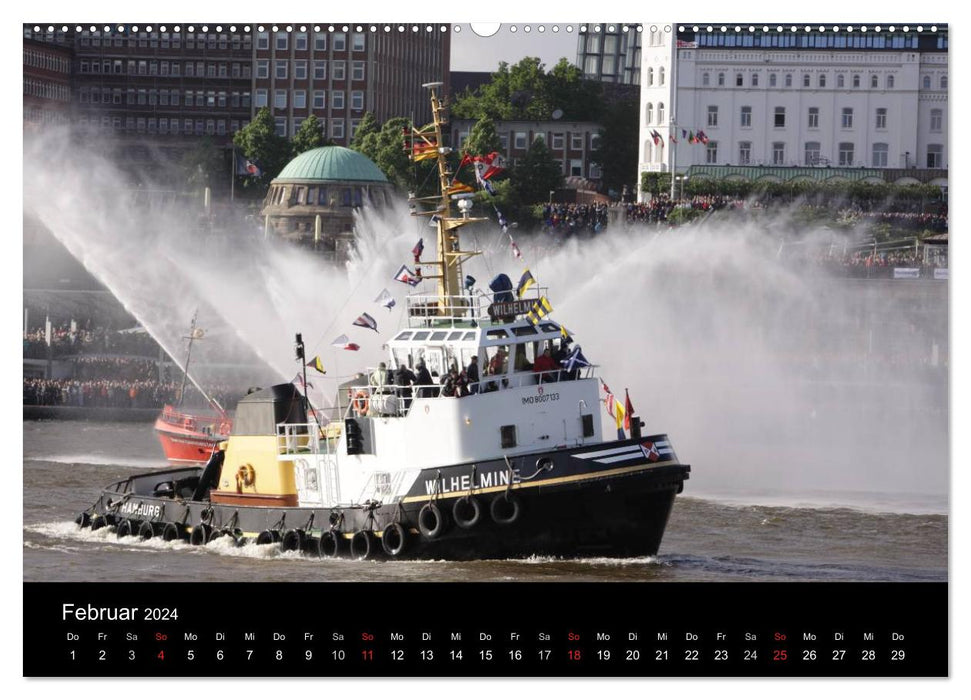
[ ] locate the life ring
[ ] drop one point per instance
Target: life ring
(329, 545)
(245, 476)
(201, 534)
(171, 531)
(467, 512)
(431, 521)
(505, 509)
(361, 403)
(292, 541)
(361, 544)
(146, 531)
(394, 540)
(125, 528)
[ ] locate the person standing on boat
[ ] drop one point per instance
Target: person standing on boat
(404, 378)
(379, 379)
(472, 375)
(544, 363)
(424, 381)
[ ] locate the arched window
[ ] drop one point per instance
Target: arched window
(873, 81)
(772, 79)
(704, 79)
(660, 75)
(650, 76)
(889, 82)
(659, 152)
(822, 80)
(788, 79)
(856, 81)
(660, 112)
(721, 80)
(926, 82)
(805, 80)
(943, 82)
(649, 113)
(839, 81)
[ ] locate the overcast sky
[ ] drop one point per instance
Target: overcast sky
(471, 52)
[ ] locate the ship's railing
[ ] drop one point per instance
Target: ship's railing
(427, 310)
(307, 438)
(391, 400)
(210, 425)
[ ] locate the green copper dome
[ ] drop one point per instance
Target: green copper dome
(332, 163)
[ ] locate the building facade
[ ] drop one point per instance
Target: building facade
(170, 85)
(815, 98)
(340, 75)
(610, 52)
(47, 84)
(571, 144)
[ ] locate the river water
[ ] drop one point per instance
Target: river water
(711, 536)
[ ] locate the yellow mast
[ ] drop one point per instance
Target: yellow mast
(450, 255)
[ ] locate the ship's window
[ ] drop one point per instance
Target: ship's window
(497, 333)
(421, 335)
(469, 335)
(587, 420)
(439, 335)
(549, 328)
(525, 354)
(524, 330)
(493, 365)
(404, 335)
(507, 436)
(455, 335)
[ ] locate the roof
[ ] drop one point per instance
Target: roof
(332, 163)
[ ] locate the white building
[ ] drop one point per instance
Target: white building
(769, 97)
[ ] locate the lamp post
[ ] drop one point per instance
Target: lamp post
(552, 192)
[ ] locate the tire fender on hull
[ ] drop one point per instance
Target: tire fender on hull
(431, 521)
(394, 540)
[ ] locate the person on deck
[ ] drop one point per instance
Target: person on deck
(544, 363)
(404, 378)
(472, 375)
(424, 381)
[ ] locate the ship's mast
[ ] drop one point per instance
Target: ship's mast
(450, 255)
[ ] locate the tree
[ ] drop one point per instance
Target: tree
(259, 141)
(369, 125)
(386, 149)
(310, 135)
(483, 138)
(205, 166)
(616, 154)
(525, 91)
(536, 174)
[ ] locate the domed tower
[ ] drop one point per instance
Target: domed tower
(312, 201)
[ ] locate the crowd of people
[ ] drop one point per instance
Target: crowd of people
(569, 219)
(118, 393)
(87, 340)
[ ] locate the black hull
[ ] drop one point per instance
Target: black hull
(586, 514)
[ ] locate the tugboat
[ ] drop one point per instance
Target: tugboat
(191, 437)
(512, 464)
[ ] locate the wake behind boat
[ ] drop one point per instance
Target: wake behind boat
(506, 458)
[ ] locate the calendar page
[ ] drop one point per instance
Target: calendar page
(513, 350)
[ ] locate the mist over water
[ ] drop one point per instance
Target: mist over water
(768, 378)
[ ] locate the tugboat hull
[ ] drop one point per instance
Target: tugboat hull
(620, 511)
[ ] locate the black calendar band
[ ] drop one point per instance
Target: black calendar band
(486, 629)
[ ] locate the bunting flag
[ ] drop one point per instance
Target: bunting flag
(540, 310)
(418, 249)
(317, 364)
(366, 321)
(298, 381)
(620, 415)
(503, 224)
(425, 150)
(525, 282)
(684, 133)
(628, 410)
(702, 137)
(654, 136)
(564, 332)
(385, 299)
(340, 341)
(515, 250)
(407, 276)
(247, 166)
(575, 360)
(671, 137)
(691, 137)
(459, 188)
(352, 346)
